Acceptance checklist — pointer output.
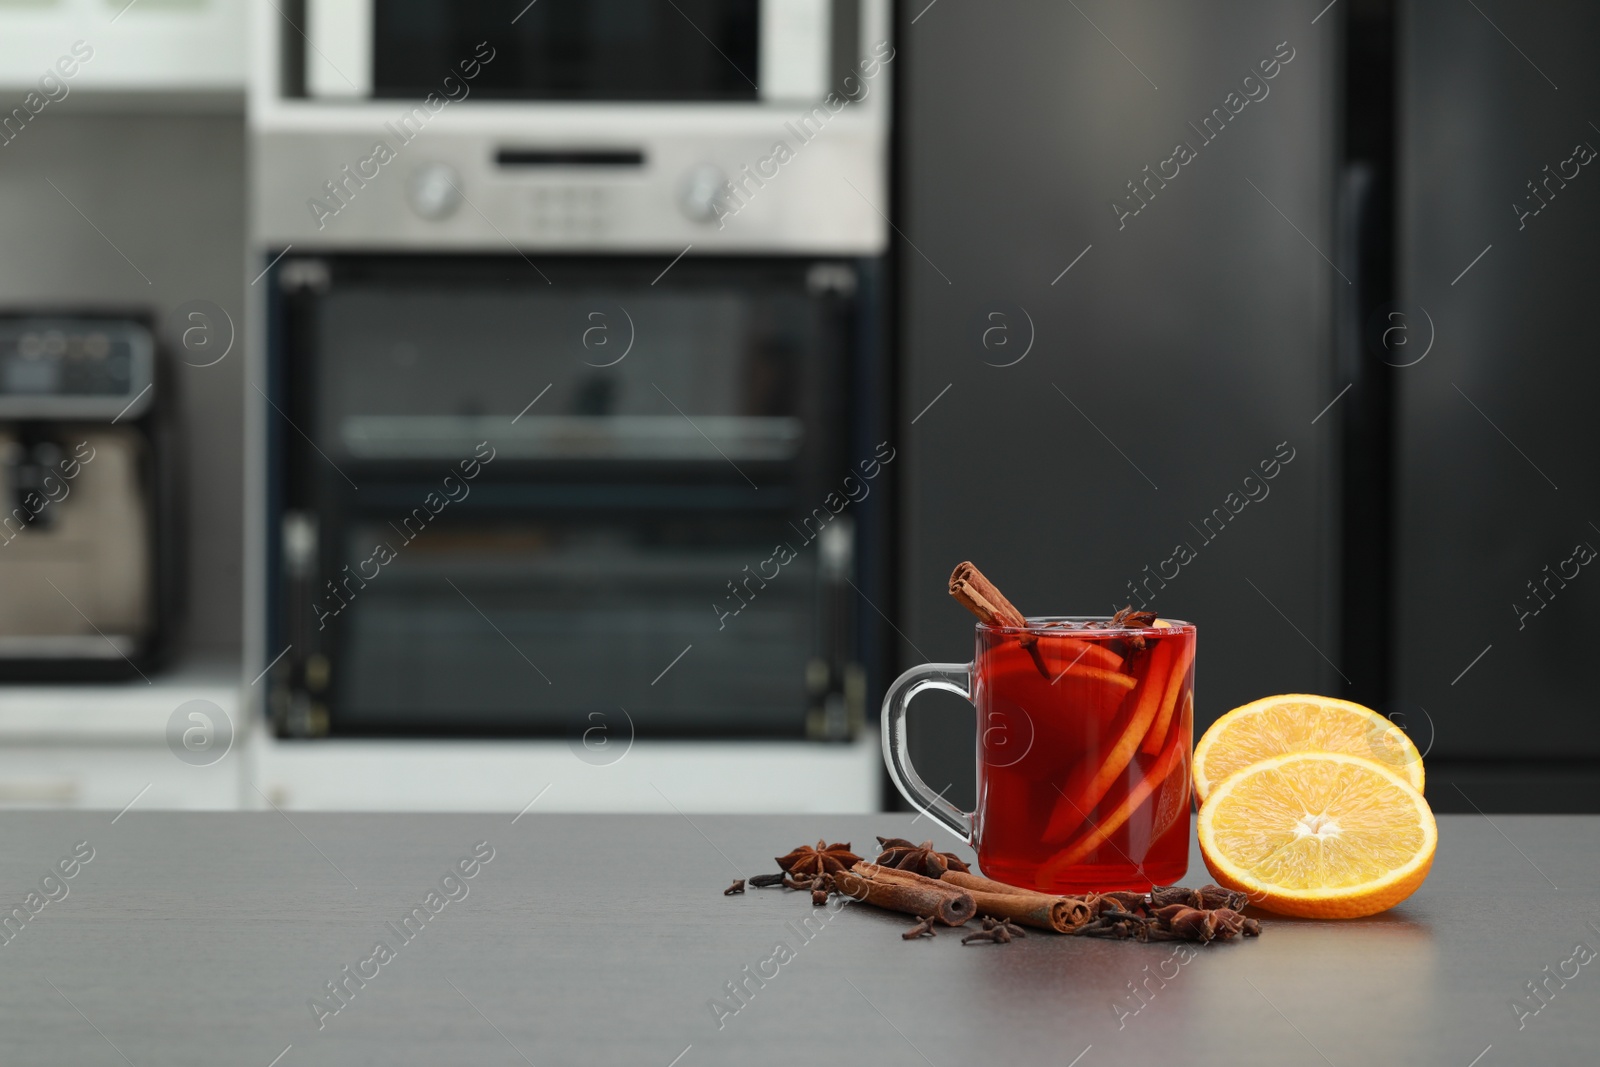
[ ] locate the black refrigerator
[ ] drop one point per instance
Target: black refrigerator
(1498, 486)
(1147, 253)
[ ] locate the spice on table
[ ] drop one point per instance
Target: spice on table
(1117, 916)
(899, 853)
(1191, 924)
(823, 859)
(1230, 924)
(990, 922)
(1165, 913)
(1060, 914)
(1211, 896)
(906, 892)
(1000, 935)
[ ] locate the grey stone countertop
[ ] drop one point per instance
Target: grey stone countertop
(605, 939)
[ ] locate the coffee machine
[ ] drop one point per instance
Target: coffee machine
(87, 499)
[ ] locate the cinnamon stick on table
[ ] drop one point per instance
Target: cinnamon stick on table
(984, 599)
(867, 882)
(1059, 914)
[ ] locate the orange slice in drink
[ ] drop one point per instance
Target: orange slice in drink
(1319, 835)
(1280, 725)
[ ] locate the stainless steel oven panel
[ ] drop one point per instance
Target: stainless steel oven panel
(478, 175)
(446, 191)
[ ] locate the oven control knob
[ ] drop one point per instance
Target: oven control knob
(435, 190)
(705, 190)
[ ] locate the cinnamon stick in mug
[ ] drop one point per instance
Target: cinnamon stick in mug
(980, 596)
(984, 599)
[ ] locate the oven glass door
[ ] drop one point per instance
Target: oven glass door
(516, 503)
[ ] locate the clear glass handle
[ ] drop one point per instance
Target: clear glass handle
(953, 678)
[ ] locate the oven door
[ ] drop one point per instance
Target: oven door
(506, 503)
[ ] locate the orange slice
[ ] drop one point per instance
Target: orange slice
(1295, 722)
(1320, 835)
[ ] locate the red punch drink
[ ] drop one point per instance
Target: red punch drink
(1084, 740)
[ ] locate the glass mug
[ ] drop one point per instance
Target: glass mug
(1084, 743)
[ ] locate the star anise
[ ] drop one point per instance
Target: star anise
(902, 854)
(824, 859)
(1133, 620)
(1127, 619)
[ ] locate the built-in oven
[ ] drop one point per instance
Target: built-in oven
(571, 387)
(503, 504)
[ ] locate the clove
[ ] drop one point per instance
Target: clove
(997, 934)
(1230, 924)
(1011, 928)
(1206, 898)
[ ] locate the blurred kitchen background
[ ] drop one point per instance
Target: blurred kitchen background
(423, 405)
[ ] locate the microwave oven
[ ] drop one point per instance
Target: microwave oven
(768, 51)
(751, 127)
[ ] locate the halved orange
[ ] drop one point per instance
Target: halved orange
(1320, 835)
(1296, 722)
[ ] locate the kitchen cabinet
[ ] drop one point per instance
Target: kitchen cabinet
(105, 746)
(54, 47)
(586, 774)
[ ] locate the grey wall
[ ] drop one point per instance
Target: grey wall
(168, 190)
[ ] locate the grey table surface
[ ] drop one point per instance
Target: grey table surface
(595, 939)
